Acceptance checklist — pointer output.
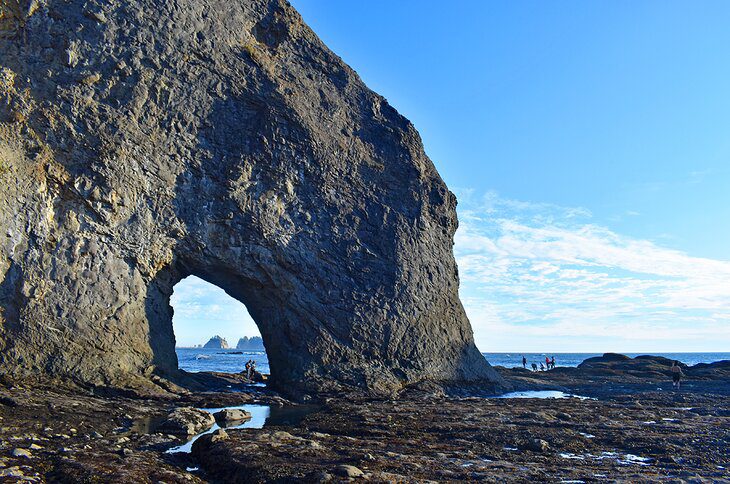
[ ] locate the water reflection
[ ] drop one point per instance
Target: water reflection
(261, 416)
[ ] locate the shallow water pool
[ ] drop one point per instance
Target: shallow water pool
(541, 394)
(260, 415)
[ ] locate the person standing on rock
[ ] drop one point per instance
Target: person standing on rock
(524, 362)
(676, 375)
(547, 362)
(552, 363)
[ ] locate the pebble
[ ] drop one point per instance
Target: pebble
(18, 452)
(320, 477)
(12, 472)
(536, 445)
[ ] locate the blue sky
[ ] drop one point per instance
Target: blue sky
(587, 143)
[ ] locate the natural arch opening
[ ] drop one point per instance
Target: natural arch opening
(214, 331)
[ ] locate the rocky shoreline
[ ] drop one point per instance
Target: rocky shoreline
(633, 427)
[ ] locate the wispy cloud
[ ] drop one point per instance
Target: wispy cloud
(548, 275)
(203, 310)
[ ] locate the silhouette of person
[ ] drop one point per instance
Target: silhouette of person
(524, 362)
(676, 375)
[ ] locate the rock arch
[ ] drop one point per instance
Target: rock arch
(142, 142)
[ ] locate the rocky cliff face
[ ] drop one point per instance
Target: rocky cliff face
(144, 141)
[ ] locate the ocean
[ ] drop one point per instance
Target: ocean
(233, 361)
(226, 361)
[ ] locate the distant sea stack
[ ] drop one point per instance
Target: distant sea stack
(255, 343)
(217, 342)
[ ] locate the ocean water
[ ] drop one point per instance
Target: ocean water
(234, 361)
(226, 361)
(514, 360)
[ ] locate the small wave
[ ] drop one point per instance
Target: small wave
(202, 357)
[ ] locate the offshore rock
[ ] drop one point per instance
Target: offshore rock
(216, 342)
(143, 141)
(254, 343)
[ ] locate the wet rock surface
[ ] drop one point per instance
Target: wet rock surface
(73, 435)
(56, 432)
(492, 440)
(186, 421)
(142, 142)
(231, 415)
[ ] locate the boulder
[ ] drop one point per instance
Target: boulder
(345, 470)
(204, 443)
(230, 416)
(223, 140)
(186, 421)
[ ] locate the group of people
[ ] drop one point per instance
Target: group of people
(676, 369)
(250, 370)
(549, 364)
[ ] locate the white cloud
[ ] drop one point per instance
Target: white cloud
(202, 310)
(543, 272)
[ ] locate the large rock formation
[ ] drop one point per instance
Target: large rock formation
(216, 342)
(144, 141)
(254, 343)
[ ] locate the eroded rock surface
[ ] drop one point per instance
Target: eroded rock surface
(143, 141)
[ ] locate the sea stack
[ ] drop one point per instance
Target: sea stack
(255, 343)
(217, 342)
